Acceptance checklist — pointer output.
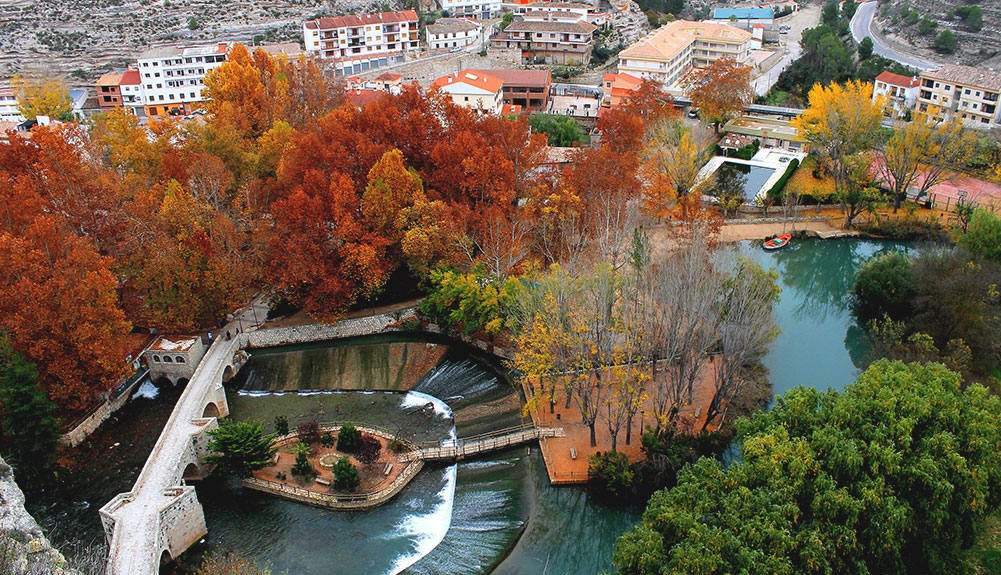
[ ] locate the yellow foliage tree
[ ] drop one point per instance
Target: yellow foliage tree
(842, 121)
(42, 96)
(671, 161)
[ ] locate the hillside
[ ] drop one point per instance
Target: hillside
(84, 39)
(975, 25)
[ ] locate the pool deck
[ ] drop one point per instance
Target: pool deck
(770, 158)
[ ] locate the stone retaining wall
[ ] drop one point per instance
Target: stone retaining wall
(382, 323)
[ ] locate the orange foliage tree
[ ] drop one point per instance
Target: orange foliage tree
(721, 91)
(58, 303)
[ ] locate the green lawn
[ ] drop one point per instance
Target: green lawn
(984, 558)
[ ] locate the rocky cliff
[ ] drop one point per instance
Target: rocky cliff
(973, 47)
(84, 39)
(24, 550)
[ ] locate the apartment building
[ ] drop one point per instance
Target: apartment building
(548, 42)
(479, 9)
(901, 93)
(363, 42)
(172, 77)
(8, 106)
(448, 33)
(668, 52)
(473, 89)
(969, 93)
(562, 12)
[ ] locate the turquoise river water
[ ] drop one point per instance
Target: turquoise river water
(492, 515)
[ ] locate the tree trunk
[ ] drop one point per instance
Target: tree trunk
(629, 429)
(594, 439)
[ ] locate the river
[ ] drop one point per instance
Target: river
(496, 514)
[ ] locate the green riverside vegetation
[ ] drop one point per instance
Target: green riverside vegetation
(890, 476)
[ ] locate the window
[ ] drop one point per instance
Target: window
(179, 359)
(166, 359)
(156, 358)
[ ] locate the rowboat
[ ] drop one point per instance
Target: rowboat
(777, 242)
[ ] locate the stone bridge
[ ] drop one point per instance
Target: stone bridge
(161, 516)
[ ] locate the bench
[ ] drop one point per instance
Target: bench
(389, 467)
(323, 481)
(573, 453)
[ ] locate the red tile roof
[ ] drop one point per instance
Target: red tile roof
(520, 77)
(131, 78)
(352, 20)
(473, 78)
(897, 80)
(362, 98)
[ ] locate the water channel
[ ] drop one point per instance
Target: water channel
(496, 514)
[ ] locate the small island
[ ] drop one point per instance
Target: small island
(337, 466)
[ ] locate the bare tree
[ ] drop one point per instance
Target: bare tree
(746, 326)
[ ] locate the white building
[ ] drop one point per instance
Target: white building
(364, 41)
(901, 92)
(131, 89)
(480, 9)
(172, 77)
(8, 107)
(473, 89)
(452, 33)
(563, 12)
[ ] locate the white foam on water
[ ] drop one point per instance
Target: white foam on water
(428, 529)
(441, 409)
(146, 390)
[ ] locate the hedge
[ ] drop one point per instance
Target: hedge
(775, 193)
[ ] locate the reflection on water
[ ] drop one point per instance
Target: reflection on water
(820, 345)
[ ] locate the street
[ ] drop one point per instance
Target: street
(861, 27)
(807, 17)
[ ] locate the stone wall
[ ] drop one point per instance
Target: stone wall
(24, 550)
(89, 425)
(322, 332)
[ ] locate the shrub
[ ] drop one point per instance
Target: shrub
(302, 467)
(348, 438)
(945, 42)
(610, 476)
(345, 475)
(883, 287)
(309, 432)
(281, 425)
(369, 448)
(327, 439)
(775, 192)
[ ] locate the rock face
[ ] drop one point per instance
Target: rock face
(980, 48)
(24, 550)
(84, 39)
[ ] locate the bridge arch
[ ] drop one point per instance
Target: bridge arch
(165, 558)
(228, 373)
(191, 472)
(211, 410)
